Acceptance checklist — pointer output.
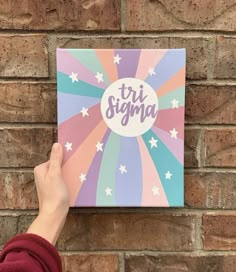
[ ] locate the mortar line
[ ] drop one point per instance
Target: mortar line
(154, 252)
(124, 210)
(86, 33)
(150, 253)
(122, 262)
(33, 80)
(222, 170)
(123, 11)
(211, 53)
(54, 125)
(198, 226)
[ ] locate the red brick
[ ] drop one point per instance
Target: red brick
(60, 15)
(180, 262)
(219, 232)
(8, 227)
(210, 190)
(225, 66)
(18, 190)
(28, 102)
(210, 104)
(220, 147)
(123, 41)
(195, 190)
(24, 221)
(25, 147)
(191, 147)
(128, 232)
(23, 56)
(90, 262)
(159, 15)
(196, 48)
(5, 14)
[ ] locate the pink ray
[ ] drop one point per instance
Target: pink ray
(149, 58)
(168, 119)
(76, 129)
(176, 146)
(151, 179)
(79, 163)
(67, 64)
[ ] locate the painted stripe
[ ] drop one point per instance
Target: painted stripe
(164, 102)
(176, 146)
(81, 88)
(76, 129)
(169, 119)
(169, 65)
(128, 188)
(175, 82)
(87, 194)
(165, 161)
(70, 105)
(66, 63)
(151, 179)
(106, 57)
(81, 160)
(107, 172)
(89, 59)
(149, 58)
(129, 62)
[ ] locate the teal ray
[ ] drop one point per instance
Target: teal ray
(107, 173)
(165, 161)
(89, 59)
(65, 85)
(164, 102)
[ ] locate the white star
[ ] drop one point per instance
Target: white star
(108, 191)
(68, 146)
(99, 146)
(174, 133)
(117, 59)
(99, 77)
(155, 190)
(73, 77)
(82, 177)
(122, 169)
(175, 104)
(168, 175)
(153, 142)
(84, 111)
(151, 72)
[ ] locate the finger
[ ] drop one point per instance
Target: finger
(41, 169)
(56, 158)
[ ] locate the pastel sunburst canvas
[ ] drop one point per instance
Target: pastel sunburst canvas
(121, 123)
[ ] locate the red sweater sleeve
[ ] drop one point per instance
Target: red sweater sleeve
(29, 252)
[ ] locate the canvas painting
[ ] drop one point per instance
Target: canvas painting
(121, 123)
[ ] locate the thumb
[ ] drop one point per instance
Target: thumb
(56, 157)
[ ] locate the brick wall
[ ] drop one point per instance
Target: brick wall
(199, 237)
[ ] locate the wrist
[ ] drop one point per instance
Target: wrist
(48, 225)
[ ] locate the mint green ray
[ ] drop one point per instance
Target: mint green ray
(90, 60)
(165, 161)
(107, 173)
(164, 102)
(65, 85)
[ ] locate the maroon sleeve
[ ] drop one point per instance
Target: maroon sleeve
(29, 252)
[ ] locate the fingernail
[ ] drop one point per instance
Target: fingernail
(56, 147)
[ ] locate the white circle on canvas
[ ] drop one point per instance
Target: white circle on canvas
(129, 107)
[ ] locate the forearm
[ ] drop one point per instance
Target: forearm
(48, 226)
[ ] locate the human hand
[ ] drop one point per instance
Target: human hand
(52, 195)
